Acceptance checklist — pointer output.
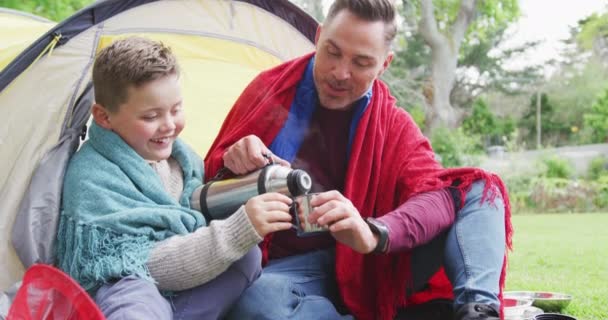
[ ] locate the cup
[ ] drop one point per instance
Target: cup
(302, 209)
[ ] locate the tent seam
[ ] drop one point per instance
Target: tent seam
(72, 105)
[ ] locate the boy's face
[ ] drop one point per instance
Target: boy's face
(151, 118)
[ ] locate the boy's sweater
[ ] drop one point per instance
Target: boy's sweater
(185, 261)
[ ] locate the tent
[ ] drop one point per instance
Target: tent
(19, 29)
(45, 94)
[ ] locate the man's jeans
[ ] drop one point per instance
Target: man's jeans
(304, 286)
(475, 249)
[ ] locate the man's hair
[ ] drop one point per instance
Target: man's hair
(128, 62)
(369, 10)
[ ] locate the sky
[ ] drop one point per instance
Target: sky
(549, 21)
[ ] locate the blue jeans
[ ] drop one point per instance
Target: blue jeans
(304, 286)
(134, 298)
(475, 249)
(296, 287)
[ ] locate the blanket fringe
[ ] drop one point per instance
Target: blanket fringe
(94, 255)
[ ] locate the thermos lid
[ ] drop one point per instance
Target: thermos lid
(298, 182)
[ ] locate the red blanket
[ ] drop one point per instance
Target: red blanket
(390, 161)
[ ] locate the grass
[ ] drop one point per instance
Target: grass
(563, 253)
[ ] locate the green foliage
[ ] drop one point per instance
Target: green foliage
(491, 15)
(312, 7)
(597, 119)
(554, 130)
(595, 26)
(573, 93)
(554, 189)
(559, 195)
(512, 142)
(55, 10)
(455, 148)
(484, 123)
(519, 192)
(556, 167)
(601, 200)
(598, 167)
(413, 56)
(418, 115)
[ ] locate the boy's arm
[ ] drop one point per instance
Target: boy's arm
(184, 262)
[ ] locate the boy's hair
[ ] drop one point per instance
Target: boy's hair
(369, 10)
(129, 62)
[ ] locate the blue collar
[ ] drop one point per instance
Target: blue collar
(288, 141)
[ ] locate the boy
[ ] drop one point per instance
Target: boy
(127, 231)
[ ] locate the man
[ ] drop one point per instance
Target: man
(394, 215)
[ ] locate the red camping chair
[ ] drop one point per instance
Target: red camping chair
(49, 294)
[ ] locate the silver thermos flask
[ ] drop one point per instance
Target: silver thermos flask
(218, 199)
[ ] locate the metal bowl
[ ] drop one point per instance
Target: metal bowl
(553, 316)
(514, 307)
(548, 301)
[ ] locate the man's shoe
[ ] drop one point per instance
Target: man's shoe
(477, 311)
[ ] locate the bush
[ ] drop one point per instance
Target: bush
(455, 148)
(597, 119)
(601, 198)
(543, 194)
(418, 115)
(555, 167)
(55, 10)
(484, 123)
(519, 193)
(563, 195)
(597, 167)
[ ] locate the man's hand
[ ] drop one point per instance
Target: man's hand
(249, 154)
(269, 212)
(345, 223)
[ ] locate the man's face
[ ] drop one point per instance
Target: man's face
(351, 54)
(151, 119)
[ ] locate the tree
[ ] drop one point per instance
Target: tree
(484, 123)
(555, 131)
(312, 7)
(444, 31)
(597, 119)
(593, 34)
(580, 78)
(55, 10)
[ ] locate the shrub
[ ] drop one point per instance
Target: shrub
(601, 198)
(455, 148)
(597, 167)
(597, 119)
(562, 195)
(418, 115)
(543, 194)
(556, 167)
(484, 123)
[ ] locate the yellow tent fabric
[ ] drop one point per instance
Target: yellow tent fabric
(210, 76)
(18, 30)
(221, 45)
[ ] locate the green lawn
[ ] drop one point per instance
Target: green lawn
(565, 253)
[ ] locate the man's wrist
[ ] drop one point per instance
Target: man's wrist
(380, 232)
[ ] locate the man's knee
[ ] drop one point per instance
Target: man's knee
(481, 199)
(268, 288)
(132, 298)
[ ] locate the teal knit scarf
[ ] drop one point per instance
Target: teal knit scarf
(115, 208)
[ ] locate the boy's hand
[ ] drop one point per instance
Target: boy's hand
(344, 220)
(249, 154)
(269, 212)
